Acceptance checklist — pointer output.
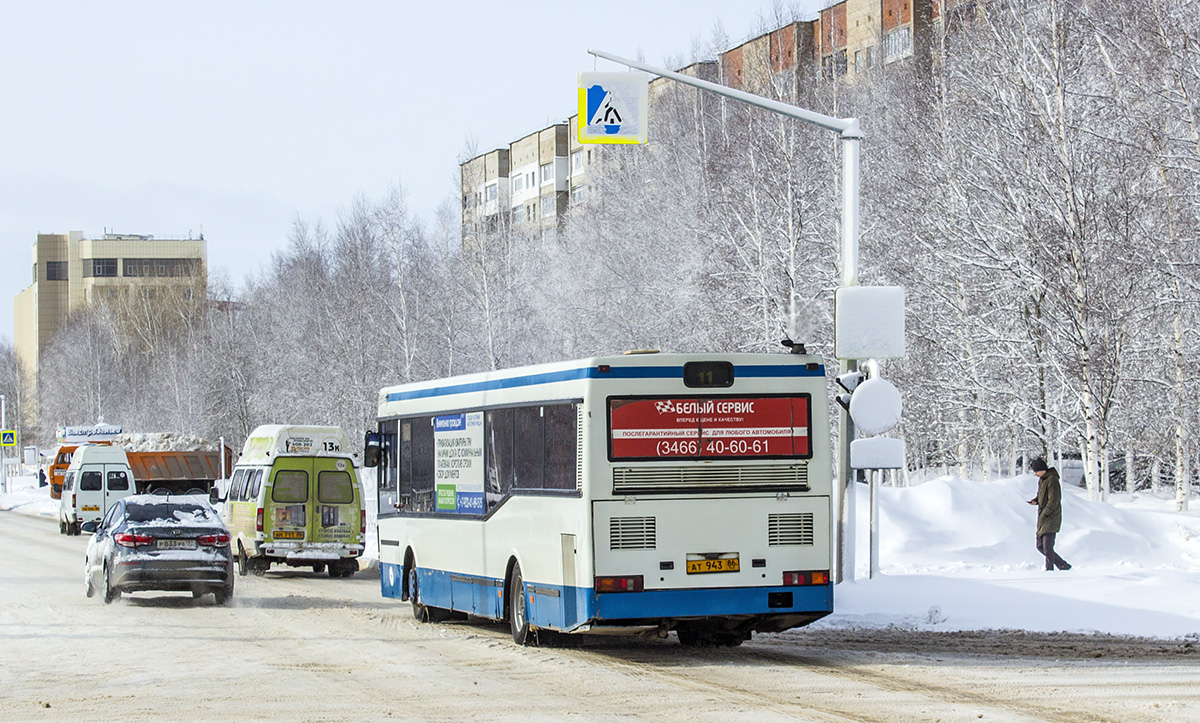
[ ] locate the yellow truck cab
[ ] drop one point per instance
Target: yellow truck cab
(294, 499)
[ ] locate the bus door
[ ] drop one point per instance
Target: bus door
(287, 504)
(335, 518)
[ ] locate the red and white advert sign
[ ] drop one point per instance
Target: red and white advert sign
(721, 427)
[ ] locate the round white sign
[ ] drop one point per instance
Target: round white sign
(875, 406)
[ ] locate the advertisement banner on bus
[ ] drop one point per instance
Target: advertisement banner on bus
(458, 462)
(709, 428)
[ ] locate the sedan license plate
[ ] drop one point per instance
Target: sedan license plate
(288, 535)
(177, 544)
(698, 564)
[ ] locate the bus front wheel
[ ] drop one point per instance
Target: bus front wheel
(517, 619)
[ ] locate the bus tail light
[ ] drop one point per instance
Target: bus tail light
(630, 583)
(362, 523)
(258, 520)
(808, 577)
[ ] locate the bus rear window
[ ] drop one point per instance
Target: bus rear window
(708, 427)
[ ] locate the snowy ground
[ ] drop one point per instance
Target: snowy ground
(959, 555)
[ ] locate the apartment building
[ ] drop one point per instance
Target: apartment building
(70, 271)
(550, 169)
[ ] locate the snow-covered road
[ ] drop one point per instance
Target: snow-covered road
(298, 646)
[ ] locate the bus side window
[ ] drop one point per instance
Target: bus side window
(69, 482)
(388, 469)
(498, 452)
(528, 448)
(255, 485)
(561, 441)
(421, 460)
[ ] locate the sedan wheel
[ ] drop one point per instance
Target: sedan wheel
(110, 593)
(88, 588)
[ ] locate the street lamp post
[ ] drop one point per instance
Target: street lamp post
(851, 134)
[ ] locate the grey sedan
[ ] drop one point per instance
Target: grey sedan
(159, 542)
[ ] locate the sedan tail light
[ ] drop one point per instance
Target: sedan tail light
(130, 539)
(220, 539)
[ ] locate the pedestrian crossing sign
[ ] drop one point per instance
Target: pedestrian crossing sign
(8, 438)
(613, 107)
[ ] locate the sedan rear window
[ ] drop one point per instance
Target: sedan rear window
(168, 512)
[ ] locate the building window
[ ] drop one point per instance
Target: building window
(491, 191)
(56, 271)
(547, 207)
(518, 214)
(834, 66)
(468, 229)
(547, 172)
(897, 44)
(467, 198)
(99, 268)
(862, 60)
(518, 183)
(578, 193)
(577, 161)
(163, 268)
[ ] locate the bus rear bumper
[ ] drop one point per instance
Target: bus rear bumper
(617, 608)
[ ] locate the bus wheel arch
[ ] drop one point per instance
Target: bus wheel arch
(410, 560)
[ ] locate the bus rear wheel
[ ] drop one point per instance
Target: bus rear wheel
(517, 620)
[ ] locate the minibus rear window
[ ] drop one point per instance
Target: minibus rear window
(290, 486)
(334, 488)
(90, 481)
(118, 481)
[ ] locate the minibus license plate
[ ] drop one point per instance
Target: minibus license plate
(91, 508)
(721, 564)
(288, 535)
(177, 544)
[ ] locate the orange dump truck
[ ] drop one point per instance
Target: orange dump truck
(177, 472)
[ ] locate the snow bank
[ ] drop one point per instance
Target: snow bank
(959, 555)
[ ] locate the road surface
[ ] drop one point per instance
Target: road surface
(293, 646)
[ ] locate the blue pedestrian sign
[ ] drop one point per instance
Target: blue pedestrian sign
(8, 438)
(613, 107)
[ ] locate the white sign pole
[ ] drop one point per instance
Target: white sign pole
(851, 135)
(3, 453)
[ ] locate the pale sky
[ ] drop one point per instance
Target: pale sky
(166, 118)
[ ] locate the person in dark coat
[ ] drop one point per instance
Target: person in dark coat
(1049, 519)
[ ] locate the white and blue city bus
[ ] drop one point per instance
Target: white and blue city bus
(639, 493)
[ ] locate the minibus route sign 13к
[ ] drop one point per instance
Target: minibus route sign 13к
(640, 493)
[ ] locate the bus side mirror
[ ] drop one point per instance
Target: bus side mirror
(214, 495)
(371, 450)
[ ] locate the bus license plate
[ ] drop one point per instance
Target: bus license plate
(91, 508)
(177, 544)
(288, 535)
(720, 564)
